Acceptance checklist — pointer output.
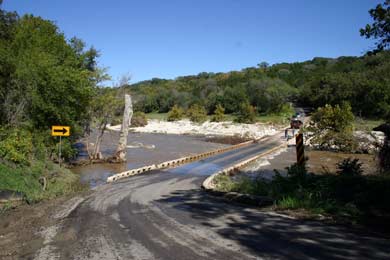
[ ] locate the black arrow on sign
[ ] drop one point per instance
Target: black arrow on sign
(63, 130)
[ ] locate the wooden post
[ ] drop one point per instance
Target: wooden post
(300, 150)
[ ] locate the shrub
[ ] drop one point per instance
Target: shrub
(197, 113)
(347, 194)
(16, 146)
(335, 118)
(68, 152)
(290, 203)
(349, 167)
(247, 114)
(286, 110)
(176, 113)
(224, 183)
(333, 127)
(24, 179)
(139, 119)
(116, 120)
(219, 114)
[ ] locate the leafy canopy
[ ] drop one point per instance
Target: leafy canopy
(380, 29)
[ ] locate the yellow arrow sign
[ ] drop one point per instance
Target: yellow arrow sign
(59, 130)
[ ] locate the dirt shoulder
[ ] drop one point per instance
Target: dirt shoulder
(22, 229)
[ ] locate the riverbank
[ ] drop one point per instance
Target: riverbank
(186, 127)
(323, 190)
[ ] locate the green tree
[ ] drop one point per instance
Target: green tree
(333, 127)
(103, 107)
(138, 119)
(197, 113)
(334, 118)
(48, 84)
(175, 114)
(263, 65)
(380, 29)
(219, 114)
(247, 114)
(232, 98)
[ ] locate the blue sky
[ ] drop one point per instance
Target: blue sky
(170, 38)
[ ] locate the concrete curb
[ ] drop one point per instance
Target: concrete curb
(209, 185)
(179, 161)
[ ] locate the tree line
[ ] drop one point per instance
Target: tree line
(361, 81)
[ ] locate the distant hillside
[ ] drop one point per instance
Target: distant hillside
(362, 81)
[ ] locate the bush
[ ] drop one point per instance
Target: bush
(349, 167)
(197, 113)
(247, 114)
(139, 119)
(175, 114)
(347, 194)
(60, 181)
(286, 110)
(333, 128)
(68, 152)
(224, 183)
(219, 114)
(116, 120)
(16, 146)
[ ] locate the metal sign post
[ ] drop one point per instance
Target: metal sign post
(58, 130)
(59, 158)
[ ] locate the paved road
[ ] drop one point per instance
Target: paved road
(165, 215)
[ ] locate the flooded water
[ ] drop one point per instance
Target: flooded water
(143, 149)
(319, 162)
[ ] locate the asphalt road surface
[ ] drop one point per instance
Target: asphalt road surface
(165, 215)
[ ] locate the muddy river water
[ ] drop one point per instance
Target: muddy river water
(143, 149)
(318, 162)
(146, 148)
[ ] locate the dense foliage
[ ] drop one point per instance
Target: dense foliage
(332, 127)
(380, 29)
(347, 193)
(219, 114)
(362, 81)
(45, 80)
(176, 113)
(246, 114)
(138, 119)
(197, 113)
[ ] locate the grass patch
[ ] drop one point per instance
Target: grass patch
(346, 194)
(158, 116)
(60, 181)
(361, 124)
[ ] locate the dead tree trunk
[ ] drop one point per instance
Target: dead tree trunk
(97, 155)
(120, 154)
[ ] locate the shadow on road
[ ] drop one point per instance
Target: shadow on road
(267, 234)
